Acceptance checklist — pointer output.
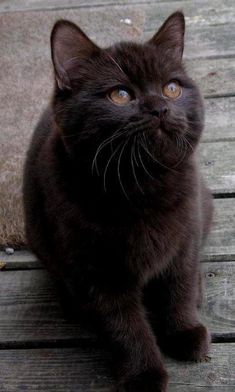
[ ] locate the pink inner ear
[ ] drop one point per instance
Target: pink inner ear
(170, 36)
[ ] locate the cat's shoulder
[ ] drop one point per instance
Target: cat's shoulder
(43, 128)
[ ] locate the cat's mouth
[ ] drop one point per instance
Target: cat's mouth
(151, 124)
(138, 151)
(140, 133)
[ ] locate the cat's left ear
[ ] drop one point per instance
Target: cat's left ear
(170, 36)
(69, 45)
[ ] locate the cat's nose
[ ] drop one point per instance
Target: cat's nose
(155, 106)
(159, 112)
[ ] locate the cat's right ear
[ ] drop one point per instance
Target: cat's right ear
(69, 44)
(170, 36)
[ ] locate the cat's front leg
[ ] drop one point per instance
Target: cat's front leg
(173, 301)
(138, 363)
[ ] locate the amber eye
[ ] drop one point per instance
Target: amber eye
(120, 96)
(172, 90)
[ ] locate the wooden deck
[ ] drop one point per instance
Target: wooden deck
(39, 349)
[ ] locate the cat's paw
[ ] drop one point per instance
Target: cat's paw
(189, 344)
(147, 381)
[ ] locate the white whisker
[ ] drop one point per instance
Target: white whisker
(133, 166)
(108, 163)
(118, 168)
(141, 160)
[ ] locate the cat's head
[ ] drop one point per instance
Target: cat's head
(129, 107)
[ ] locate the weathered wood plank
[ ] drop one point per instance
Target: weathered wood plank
(207, 29)
(83, 370)
(215, 375)
(30, 312)
(218, 310)
(18, 260)
(214, 76)
(220, 119)
(221, 242)
(218, 166)
(198, 13)
(207, 41)
(61, 370)
(22, 5)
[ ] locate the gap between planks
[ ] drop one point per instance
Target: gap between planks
(30, 313)
(87, 342)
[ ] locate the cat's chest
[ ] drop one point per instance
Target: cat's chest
(152, 247)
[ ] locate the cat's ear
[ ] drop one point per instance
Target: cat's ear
(170, 36)
(69, 44)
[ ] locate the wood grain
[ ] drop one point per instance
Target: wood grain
(214, 76)
(218, 166)
(221, 241)
(197, 13)
(30, 312)
(206, 41)
(218, 311)
(21, 5)
(87, 370)
(207, 29)
(22, 259)
(220, 119)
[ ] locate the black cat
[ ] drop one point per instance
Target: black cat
(114, 203)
